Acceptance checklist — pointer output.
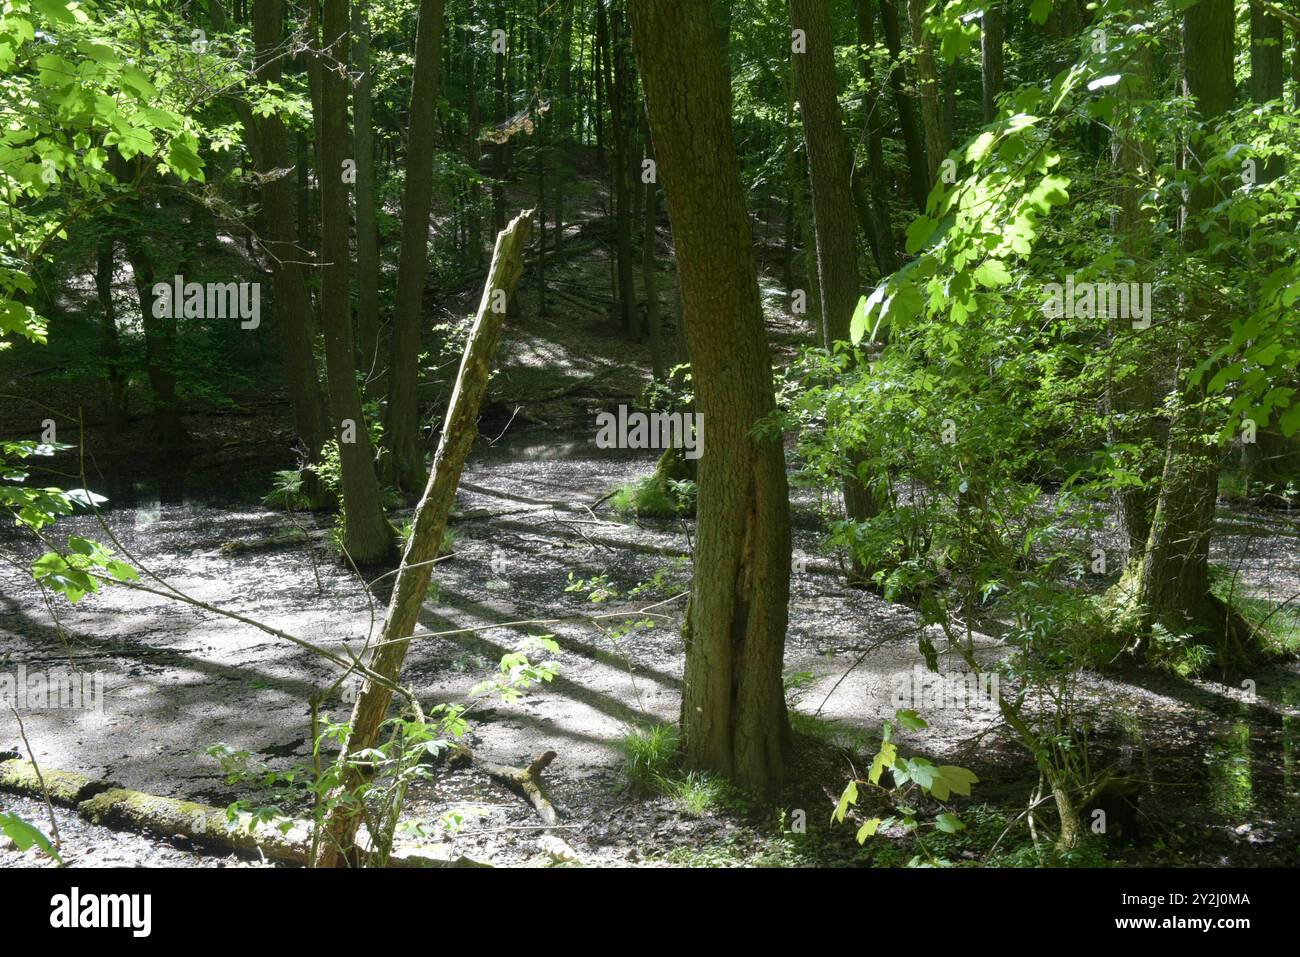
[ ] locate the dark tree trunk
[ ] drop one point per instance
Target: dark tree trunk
(914, 144)
(733, 710)
(368, 538)
(159, 349)
(829, 164)
(658, 359)
(292, 297)
(927, 81)
(1131, 386)
(1266, 67)
(402, 423)
(622, 180)
(114, 378)
(563, 120)
(1172, 581)
(368, 351)
(873, 128)
(499, 149)
(473, 149)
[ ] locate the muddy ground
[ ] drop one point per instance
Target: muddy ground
(1223, 782)
(1219, 769)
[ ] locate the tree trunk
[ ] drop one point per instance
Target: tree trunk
(1131, 386)
(1266, 67)
(368, 538)
(991, 67)
(114, 383)
(1172, 581)
(402, 422)
(829, 165)
(927, 80)
(623, 163)
(914, 144)
(292, 298)
(368, 351)
(873, 128)
(658, 361)
(499, 149)
(429, 523)
(563, 119)
(159, 348)
(733, 710)
(473, 149)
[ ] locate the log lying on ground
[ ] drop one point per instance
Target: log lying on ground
(284, 840)
(430, 522)
(199, 822)
(528, 781)
(67, 788)
(281, 539)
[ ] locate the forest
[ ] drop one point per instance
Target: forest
(650, 434)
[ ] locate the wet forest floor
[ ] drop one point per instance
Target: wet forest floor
(1219, 773)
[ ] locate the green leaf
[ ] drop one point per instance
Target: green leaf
(919, 232)
(850, 796)
(868, 829)
(25, 836)
(911, 720)
(885, 758)
(949, 823)
(958, 779)
(858, 324)
(992, 273)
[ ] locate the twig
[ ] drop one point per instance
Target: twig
(40, 778)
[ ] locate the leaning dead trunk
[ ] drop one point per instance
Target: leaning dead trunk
(430, 522)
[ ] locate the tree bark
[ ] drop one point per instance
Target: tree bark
(913, 142)
(402, 422)
(873, 128)
(829, 164)
(292, 298)
(733, 715)
(1266, 67)
(114, 381)
(658, 359)
(368, 351)
(1131, 386)
(927, 79)
(991, 65)
(368, 538)
(1172, 581)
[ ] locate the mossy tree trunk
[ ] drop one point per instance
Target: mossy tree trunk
(1170, 586)
(733, 714)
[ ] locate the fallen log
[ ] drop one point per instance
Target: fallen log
(284, 840)
(67, 788)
